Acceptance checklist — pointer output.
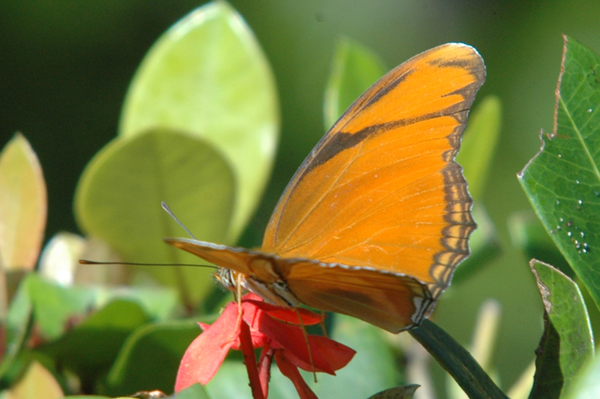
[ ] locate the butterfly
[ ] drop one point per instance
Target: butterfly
(378, 216)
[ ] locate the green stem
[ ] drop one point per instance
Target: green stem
(457, 361)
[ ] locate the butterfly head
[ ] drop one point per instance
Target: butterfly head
(275, 291)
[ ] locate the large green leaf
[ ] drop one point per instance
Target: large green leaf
(567, 342)
(354, 69)
(119, 195)
(150, 358)
(22, 206)
(208, 76)
(563, 180)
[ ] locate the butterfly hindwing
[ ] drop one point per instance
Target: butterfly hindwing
(390, 301)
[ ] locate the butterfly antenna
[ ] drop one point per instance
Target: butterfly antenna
(94, 262)
(170, 212)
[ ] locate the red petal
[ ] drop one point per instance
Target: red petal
(291, 372)
(337, 355)
(251, 297)
(203, 326)
(204, 356)
(289, 337)
(264, 368)
(288, 315)
(259, 340)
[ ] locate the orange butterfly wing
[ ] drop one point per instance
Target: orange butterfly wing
(391, 301)
(377, 217)
(382, 189)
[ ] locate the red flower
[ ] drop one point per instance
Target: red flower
(261, 325)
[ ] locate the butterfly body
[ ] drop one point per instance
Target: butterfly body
(377, 217)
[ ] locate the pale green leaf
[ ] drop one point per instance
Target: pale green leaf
(119, 196)
(22, 205)
(208, 76)
(479, 144)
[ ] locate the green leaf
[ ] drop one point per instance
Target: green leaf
(457, 361)
(587, 385)
(529, 236)
(482, 344)
(567, 342)
(355, 68)
(95, 397)
(92, 346)
(195, 391)
(402, 392)
(356, 380)
(119, 195)
(57, 311)
(150, 357)
(158, 303)
(23, 205)
(479, 144)
(231, 381)
(208, 76)
(54, 306)
(563, 180)
(17, 327)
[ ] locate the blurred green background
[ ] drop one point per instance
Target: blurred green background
(65, 67)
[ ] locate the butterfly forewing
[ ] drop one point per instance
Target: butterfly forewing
(382, 189)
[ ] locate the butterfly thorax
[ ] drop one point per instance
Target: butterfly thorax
(265, 282)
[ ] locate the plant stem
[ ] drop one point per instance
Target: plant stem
(457, 361)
